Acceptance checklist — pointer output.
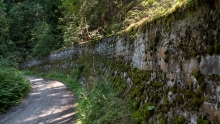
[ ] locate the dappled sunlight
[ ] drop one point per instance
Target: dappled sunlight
(39, 79)
(150, 10)
(37, 93)
(54, 94)
(64, 115)
(48, 102)
(29, 119)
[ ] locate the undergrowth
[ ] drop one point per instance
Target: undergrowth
(13, 87)
(99, 105)
(86, 20)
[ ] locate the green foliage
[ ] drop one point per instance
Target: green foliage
(28, 72)
(162, 119)
(179, 99)
(100, 105)
(22, 21)
(199, 77)
(45, 40)
(13, 87)
(93, 19)
(119, 84)
(6, 63)
(77, 73)
(144, 112)
(196, 103)
(29, 28)
(150, 108)
(202, 121)
(6, 46)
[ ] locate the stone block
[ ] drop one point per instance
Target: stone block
(163, 65)
(149, 57)
(161, 53)
(189, 81)
(190, 66)
(170, 76)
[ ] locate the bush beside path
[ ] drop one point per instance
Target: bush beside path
(48, 102)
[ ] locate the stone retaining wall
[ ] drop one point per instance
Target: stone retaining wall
(181, 51)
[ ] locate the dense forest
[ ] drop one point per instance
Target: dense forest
(29, 28)
(33, 28)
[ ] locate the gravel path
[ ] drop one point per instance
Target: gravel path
(49, 102)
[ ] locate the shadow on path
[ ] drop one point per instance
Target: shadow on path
(49, 102)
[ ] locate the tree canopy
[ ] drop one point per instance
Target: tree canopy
(29, 28)
(32, 28)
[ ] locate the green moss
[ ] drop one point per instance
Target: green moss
(211, 50)
(119, 84)
(199, 77)
(165, 107)
(132, 31)
(167, 58)
(136, 93)
(179, 99)
(157, 84)
(170, 18)
(154, 97)
(137, 76)
(143, 113)
(180, 120)
(136, 80)
(188, 93)
(160, 73)
(78, 71)
(136, 104)
(202, 121)
(174, 88)
(193, 53)
(175, 57)
(162, 119)
(196, 103)
(202, 87)
(193, 48)
(217, 48)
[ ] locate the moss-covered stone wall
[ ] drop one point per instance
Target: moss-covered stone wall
(167, 69)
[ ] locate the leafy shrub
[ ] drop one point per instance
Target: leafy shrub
(6, 63)
(13, 87)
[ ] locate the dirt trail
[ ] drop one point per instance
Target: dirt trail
(49, 102)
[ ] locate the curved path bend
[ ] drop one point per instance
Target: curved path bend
(49, 102)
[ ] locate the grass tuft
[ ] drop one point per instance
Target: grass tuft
(99, 105)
